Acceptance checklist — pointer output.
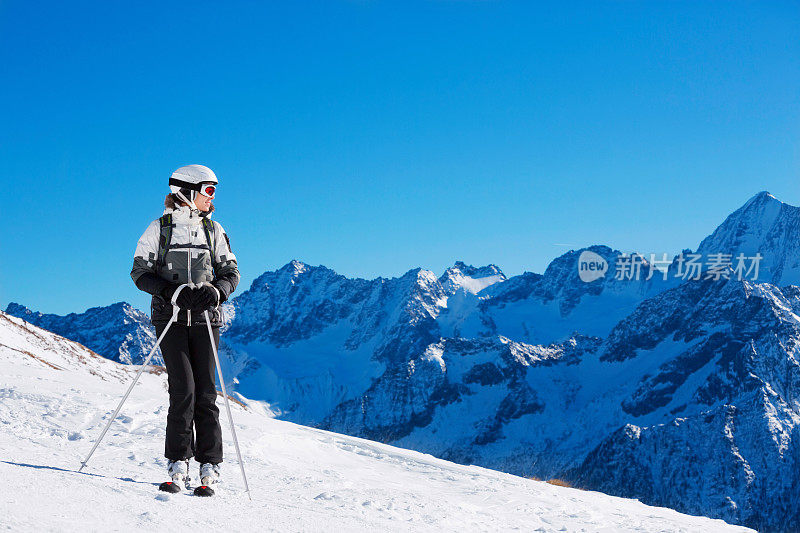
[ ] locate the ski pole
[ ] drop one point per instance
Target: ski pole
(175, 311)
(227, 404)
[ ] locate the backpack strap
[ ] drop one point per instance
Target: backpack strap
(166, 238)
(208, 227)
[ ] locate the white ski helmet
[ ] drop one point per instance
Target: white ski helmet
(189, 179)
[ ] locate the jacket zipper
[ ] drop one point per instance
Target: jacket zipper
(189, 272)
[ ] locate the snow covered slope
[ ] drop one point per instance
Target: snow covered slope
(55, 396)
(117, 331)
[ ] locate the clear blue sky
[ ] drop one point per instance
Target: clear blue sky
(374, 137)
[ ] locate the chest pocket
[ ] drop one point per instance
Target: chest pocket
(172, 260)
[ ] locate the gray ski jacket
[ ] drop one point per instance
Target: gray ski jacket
(216, 265)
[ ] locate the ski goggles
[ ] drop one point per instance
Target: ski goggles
(206, 189)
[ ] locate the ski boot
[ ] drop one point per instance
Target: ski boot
(209, 476)
(179, 472)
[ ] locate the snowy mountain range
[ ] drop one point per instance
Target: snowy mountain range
(56, 396)
(677, 392)
(119, 332)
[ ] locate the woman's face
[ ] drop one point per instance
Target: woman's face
(202, 202)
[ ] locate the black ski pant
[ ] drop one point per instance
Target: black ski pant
(189, 359)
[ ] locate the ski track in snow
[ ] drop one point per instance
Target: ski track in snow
(301, 479)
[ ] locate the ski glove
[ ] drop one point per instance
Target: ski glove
(205, 297)
(184, 300)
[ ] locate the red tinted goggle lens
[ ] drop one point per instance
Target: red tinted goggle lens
(209, 190)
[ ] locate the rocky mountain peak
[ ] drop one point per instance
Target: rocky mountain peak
(471, 279)
(763, 226)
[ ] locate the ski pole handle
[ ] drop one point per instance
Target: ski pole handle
(176, 293)
(216, 290)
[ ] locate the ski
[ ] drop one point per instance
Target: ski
(203, 490)
(170, 486)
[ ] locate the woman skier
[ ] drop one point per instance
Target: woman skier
(161, 263)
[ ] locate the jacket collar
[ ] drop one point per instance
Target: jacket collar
(185, 215)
